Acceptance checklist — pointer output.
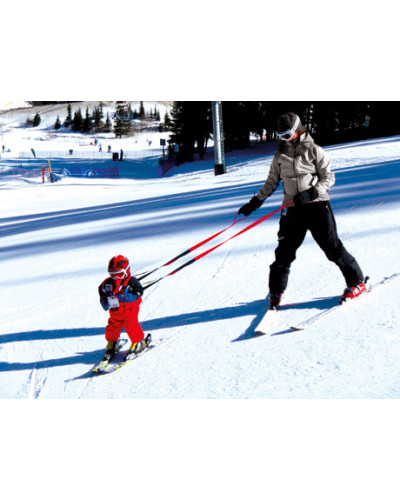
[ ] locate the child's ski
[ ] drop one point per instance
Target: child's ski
(149, 345)
(110, 368)
(101, 367)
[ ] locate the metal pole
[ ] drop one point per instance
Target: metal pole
(219, 153)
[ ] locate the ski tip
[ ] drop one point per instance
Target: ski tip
(98, 372)
(297, 328)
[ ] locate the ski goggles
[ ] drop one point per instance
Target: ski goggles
(117, 275)
(288, 135)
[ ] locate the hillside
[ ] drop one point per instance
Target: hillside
(57, 240)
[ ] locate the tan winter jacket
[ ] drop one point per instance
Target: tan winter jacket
(299, 167)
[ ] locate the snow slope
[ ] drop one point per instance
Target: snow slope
(57, 240)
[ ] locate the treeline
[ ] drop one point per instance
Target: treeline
(43, 103)
(244, 121)
(121, 122)
(91, 121)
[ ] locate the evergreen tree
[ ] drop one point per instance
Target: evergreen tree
(191, 126)
(167, 121)
(122, 124)
(77, 121)
(87, 124)
(36, 120)
(142, 112)
(383, 118)
(108, 125)
(68, 119)
(97, 119)
(236, 124)
(57, 123)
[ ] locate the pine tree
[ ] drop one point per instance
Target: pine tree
(108, 125)
(142, 112)
(36, 120)
(191, 127)
(57, 123)
(122, 124)
(68, 119)
(87, 124)
(167, 121)
(97, 119)
(77, 121)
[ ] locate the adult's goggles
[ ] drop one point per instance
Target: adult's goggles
(288, 135)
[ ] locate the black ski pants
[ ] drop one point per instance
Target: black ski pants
(294, 223)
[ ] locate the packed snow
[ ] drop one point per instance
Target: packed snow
(57, 239)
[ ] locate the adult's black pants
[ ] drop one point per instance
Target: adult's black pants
(318, 218)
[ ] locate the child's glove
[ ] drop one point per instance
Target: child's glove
(104, 303)
(127, 296)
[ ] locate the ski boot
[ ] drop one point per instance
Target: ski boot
(352, 292)
(137, 347)
(275, 300)
(111, 349)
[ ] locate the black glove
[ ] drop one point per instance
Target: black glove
(250, 207)
(306, 196)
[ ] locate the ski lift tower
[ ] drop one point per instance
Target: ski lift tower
(218, 130)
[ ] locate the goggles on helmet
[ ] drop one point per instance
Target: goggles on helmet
(117, 275)
(288, 135)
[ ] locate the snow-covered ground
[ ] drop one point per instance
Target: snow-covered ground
(176, 421)
(57, 240)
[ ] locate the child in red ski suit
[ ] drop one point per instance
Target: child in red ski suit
(121, 294)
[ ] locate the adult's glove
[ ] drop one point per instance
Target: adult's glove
(127, 296)
(104, 303)
(306, 196)
(250, 207)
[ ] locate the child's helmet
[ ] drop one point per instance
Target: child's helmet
(118, 267)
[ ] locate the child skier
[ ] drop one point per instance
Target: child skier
(121, 294)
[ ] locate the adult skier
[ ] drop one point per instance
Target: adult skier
(305, 171)
(121, 294)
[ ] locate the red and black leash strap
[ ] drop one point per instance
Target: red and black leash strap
(189, 250)
(200, 256)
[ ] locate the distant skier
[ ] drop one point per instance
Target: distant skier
(306, 174)
(121, 294)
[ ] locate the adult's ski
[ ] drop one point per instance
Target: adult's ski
(318, 317)
(264, 327)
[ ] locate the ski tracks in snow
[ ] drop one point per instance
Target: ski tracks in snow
(36, 381)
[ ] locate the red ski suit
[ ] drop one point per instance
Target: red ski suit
(126, 315)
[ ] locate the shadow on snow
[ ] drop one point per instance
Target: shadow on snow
(255, 308)
(356, 187)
